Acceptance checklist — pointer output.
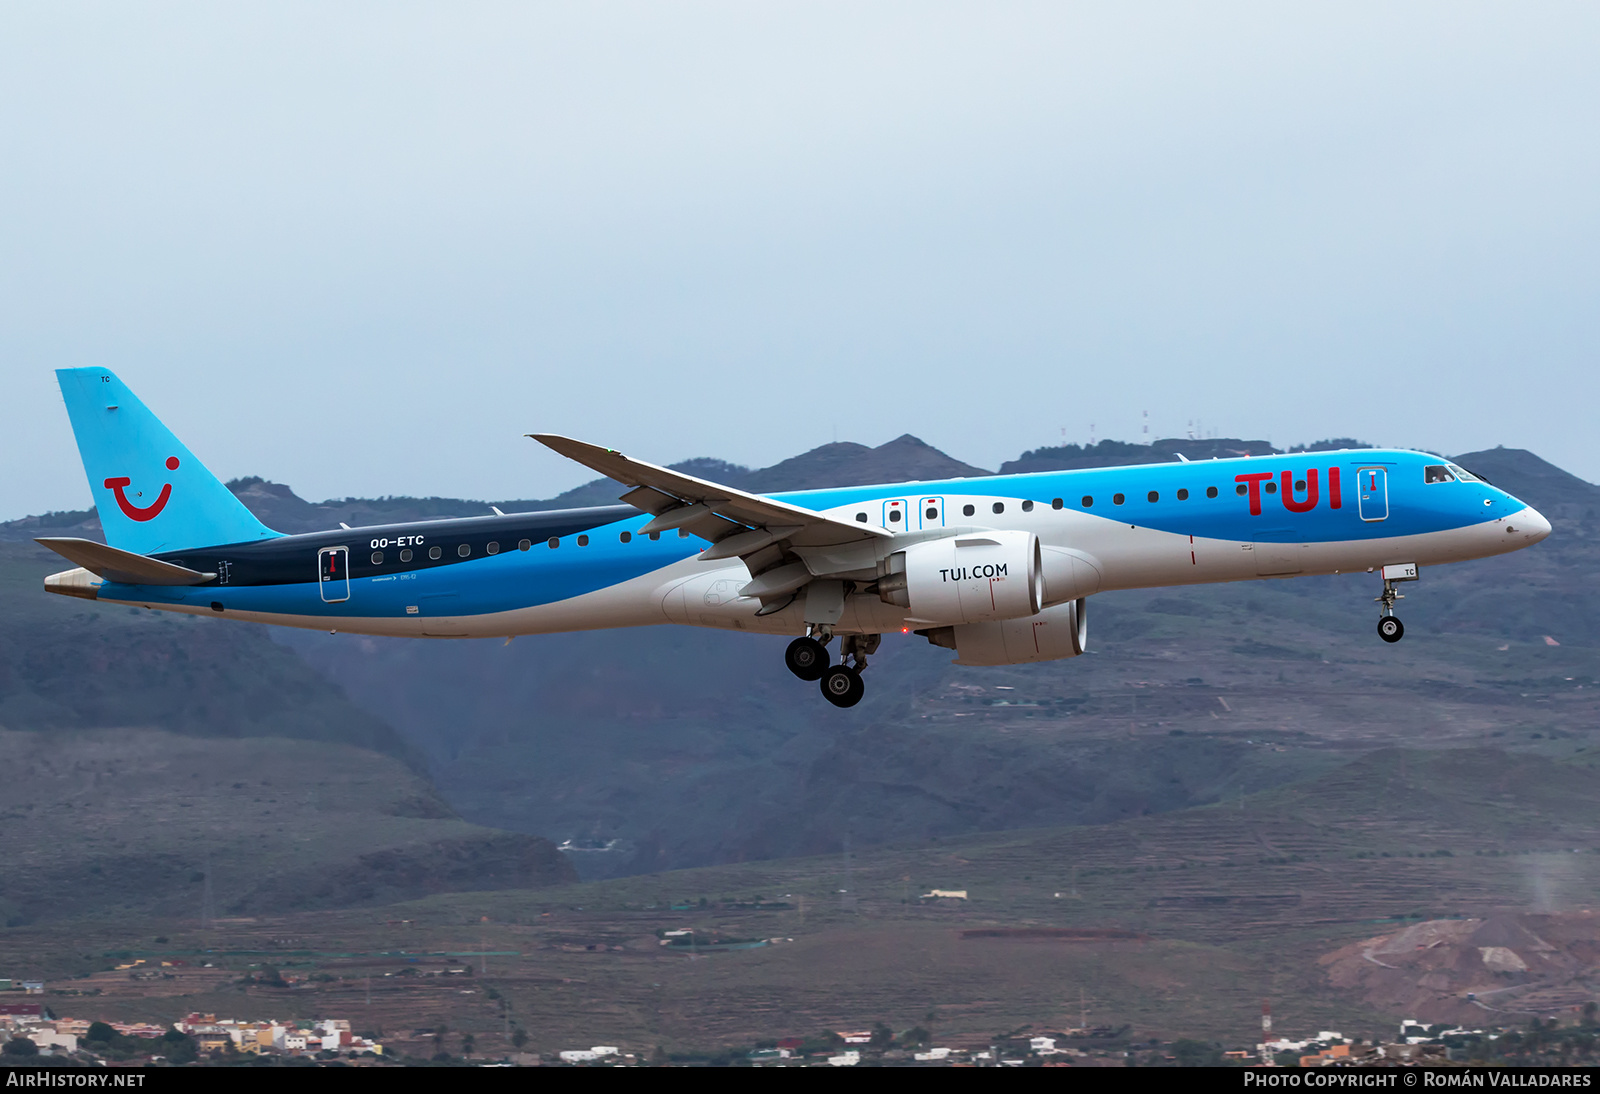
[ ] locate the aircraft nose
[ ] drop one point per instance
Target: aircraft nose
(1530, 524)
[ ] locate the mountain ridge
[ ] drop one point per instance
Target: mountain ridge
(685, 747)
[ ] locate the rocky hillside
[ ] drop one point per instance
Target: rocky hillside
(674, 747)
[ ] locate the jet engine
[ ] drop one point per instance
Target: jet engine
(1051, 635)
(971, 578)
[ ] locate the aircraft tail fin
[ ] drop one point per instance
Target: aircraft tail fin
(151, 492)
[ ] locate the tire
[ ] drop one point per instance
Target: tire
(842, 686)
(1390, 629)
(807, 658)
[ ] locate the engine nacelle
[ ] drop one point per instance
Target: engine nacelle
(966, 579)
(1053, 634)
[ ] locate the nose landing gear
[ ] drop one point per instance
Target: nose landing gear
(1390, 629)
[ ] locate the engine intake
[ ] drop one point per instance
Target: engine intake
(971, 578)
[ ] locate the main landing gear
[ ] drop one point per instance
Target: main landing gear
(807, 658)
(842, 686)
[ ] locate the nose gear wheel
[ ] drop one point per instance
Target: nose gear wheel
(1390, 629)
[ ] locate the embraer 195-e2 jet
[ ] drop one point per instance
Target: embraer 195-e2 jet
(998, 569)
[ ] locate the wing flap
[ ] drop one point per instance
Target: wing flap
(669, 495)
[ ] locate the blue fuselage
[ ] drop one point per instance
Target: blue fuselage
(1138, 526)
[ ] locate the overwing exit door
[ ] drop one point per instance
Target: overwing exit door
(1372, 486)
(930, 513)
(894, 515)
(333, 573)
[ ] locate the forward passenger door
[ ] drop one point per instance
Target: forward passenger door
(1372, 487)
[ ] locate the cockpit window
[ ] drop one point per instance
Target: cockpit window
(1463, 474)
(1437, 472)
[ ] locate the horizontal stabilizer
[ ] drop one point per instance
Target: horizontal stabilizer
(123, 567)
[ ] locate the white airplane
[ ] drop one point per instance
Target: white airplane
(998, 569)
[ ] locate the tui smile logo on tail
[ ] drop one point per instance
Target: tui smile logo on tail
(149, 512)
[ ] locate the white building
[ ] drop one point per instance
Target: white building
(49, 1038)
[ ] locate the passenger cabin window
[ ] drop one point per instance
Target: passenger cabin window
(435, 553)
(1088, 500)
(894, 516)
(1241, 489)
(1153, 496)
(524, 544)
(1211, 491)
(1272, 487)
(494, 547)
(655, 535)
(931, 514)
(583, 541)
(464, 550)
(1117, 499)
(1027, 507)
(405, 556)
(999, 507)
(1437, 472)
(967, 510)
(553, 543)
(627, 537)
(1056, 503)
(862, 517)
(377, 558)
(1183, 495)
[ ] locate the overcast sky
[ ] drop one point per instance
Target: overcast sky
(362, 249)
